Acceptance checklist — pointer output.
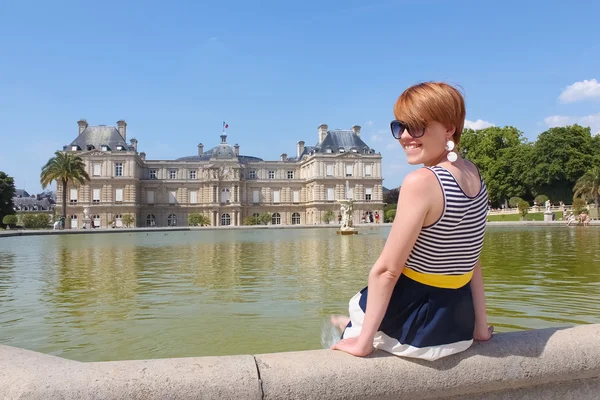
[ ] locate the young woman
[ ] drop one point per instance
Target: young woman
(425, 297)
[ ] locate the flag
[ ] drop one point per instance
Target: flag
(225, 125)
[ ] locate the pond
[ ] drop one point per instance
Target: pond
(117, 296)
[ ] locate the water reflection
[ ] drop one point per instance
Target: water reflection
(149, 295)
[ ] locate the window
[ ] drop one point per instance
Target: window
(225, 219)
(271, 174)
(96, 196)
(193, 197)
(349, 170)
(329, 169)
(172, 220)
(119, 169)
(104, 147)
(172, 197)
(74, 222)
(368, 194)
(150, 220)
(290, 174)
(73, 148)
(327, 150)
(224, 195)
(341, 150)
(172, 174)
(119, 195)
(276, 219)
(153, 174)
(330, 194)
(276, 196)
(119, 147)
(255, 196)
(350, 193)
(368, 170)
(119, 221)
(192, 174)
(256, 215)
(296, 196)
(150, 196)
(97, 167)
(295, 219)
(96, 219)
(73, 196)
(252, 174)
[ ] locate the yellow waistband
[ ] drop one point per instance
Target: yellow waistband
(438, 280)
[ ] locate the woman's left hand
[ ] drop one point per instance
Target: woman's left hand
(354, 346)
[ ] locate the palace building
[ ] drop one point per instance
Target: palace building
(221, 183)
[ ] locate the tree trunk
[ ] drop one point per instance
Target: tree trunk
(597, 205)
(64, 199)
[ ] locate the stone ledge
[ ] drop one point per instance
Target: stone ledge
(549, 363)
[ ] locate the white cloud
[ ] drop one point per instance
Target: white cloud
(479, 124)
(369, 123)
(587, 89)
(592, 120)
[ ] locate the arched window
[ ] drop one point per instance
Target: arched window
(119, 221)
(275, 219)
(224, 195)
(295, 219)
(151, 220)
(256, 215)
(225, 219)
(74, 221)
(172, 220)
(96, 219)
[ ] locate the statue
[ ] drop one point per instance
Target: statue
(346, 209)
(86, 213)
(547, 203)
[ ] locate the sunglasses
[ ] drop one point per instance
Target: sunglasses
(398, 127)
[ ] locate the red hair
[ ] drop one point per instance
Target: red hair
(426, 102)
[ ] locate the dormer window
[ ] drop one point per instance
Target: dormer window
(354, 150)
(342, 150)
(104, 147)
(119, 147)
(90, 147)
(328, 150)
(73, 148)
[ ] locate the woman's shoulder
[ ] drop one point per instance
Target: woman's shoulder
(420, 180)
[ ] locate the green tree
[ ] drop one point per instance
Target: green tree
(36, 221)
(198, 219)
(578, 205)
(264, 218)
(128, 219)
(588, 186)
(514, 202)
(541, 199)
(64, 168)
(390, 215)
(502, 156)
(7, 192)
(560, 156)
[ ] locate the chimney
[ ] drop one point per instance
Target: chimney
(236, 147)
(356, 130)
(322, 132)
(82, 125)
(122, 125)
(134, 143)
(300, 149)
(200, 149)
(143, 155)
(283, 157)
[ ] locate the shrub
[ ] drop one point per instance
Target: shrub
(541, 199)
(128, 219)
(36, 221)
(198, 219)
(578, 205)
(514, 202)
(251, 220)
(523, 207)
(10, 220)
(264, 218)
(390, 215)
(328, 217)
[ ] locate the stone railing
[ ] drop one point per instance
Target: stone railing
(539, 364)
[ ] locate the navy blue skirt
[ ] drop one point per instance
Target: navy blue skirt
(421, 321)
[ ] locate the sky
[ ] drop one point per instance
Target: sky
(276, 70)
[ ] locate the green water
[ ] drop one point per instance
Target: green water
(216, 292)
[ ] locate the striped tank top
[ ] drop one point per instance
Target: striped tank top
(446, 252)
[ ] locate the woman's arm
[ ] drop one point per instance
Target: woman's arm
(417, 193)
(482, 331)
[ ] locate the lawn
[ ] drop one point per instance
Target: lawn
(517, 217)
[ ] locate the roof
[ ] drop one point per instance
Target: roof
(31, 203)
(223, 151)
(336, 140)
(98, 136)
(21, 193)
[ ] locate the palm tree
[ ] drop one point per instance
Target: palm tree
(64, 168)
(588, 186)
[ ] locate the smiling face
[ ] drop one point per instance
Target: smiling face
(428, 149)
(439, 109)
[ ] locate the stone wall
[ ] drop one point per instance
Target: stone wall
(539, 364)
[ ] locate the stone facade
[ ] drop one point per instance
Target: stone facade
(220, 183)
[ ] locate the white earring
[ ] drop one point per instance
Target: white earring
(451, 156)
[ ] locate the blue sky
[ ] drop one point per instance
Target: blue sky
(275, 70)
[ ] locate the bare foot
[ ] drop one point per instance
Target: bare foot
(340, 321)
